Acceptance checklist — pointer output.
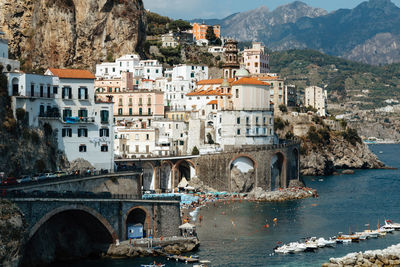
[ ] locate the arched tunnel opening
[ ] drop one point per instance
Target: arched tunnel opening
(135, 224)
(277, 171)
(68, 235)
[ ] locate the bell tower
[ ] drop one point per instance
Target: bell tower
(231, 59)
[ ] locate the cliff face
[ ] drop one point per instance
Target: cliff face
(12, 234)
(338, 154)
(24, 150)
(72, 33)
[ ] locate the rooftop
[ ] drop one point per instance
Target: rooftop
(72, 73)
(213, 81)
(249, 81)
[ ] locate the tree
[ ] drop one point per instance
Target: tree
(210, 139)
(195, 151)
(218, 42)
(179, 25)
(283, 108)
(210, 35)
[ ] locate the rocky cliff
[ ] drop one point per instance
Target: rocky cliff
(24, 150)
(325, 159)
(12, 234)
(72, 33)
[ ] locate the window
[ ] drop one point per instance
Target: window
(55, 90)
(136, 137)
(104, 116)
(130, 111)
(247, 120)
(176, 126)
(149, 111)
(104, 132)
(120, 102)
(82, 132)
(140, 111)
(82, 148)
(41, 111)
(32, 89)
(82, 113)
(256, 120)
(66, 93)
(147, 136)
(238, 120)
(238, 131)
(237, 93)
(48, 91)
(149, 101)
(247, 131)
(140, 101)
(104, 148)
(192, 75)
(66, 132)
(82, 93)
(256, 130)
(264, 120)
(67, 113)
(120, 111)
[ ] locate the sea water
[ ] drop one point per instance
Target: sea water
(244, 233)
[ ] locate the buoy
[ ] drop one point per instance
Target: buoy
(275, 220)
(266, 226)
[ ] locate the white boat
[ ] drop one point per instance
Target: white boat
(311, 243)
(321, 242)
(386, 230)
(330, 242)
(372, 233)
(390, 224)
(362, 235)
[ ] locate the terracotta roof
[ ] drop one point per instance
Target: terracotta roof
(249, 81)
(72, 73)
(213, 102)
(213, 81)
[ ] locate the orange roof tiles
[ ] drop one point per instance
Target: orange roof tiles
(213, 81)
(212, 102)
(72, 74)
(249, 81)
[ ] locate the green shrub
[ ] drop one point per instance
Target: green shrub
(283, 108)
(351, 136)
(20, 114)
(195, 151)
(279, 124)
(35, 137)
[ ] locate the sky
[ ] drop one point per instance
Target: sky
(190, 9)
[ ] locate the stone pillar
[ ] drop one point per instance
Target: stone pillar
(157, 178)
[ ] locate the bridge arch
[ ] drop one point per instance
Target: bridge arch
(166, 176)
(137, 215)
(148, 176)
(242, 173)
(67, 232)
(277, 171)
(184, 168)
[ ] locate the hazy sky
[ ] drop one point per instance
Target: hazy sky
(190, 9)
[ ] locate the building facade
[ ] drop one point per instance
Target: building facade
(255, 59)
(316, 97)
(65, 100)
(231, 65)
(6, 64)
(200, 31)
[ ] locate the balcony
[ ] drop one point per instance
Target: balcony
(79, 120)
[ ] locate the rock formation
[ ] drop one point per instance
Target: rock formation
(71, 33)
(338, 154)
(12, 234)
(386, 257)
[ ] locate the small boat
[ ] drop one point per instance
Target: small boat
(311, 244)
(153, 265)
(330, 242)
(372, 233)
(386, 230)
(390, 224)
(362, 235)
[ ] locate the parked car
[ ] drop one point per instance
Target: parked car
(60, 174)
(50, 175)
(9, 181)
(39, 176)
(24, 179)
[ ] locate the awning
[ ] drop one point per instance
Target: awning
(187, 226)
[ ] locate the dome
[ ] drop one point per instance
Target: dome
(225, 84)
(242, 73)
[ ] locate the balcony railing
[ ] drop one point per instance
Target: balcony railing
(74, 120)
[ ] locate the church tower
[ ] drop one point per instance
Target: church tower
(231, 59)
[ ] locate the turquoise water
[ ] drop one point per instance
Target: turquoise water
(233, 235)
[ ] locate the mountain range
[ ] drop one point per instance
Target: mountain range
(369, 33)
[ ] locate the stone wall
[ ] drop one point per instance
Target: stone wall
(216, 170)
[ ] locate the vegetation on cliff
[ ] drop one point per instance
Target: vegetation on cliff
(343, 78)
(24, 150)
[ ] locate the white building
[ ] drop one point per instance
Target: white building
(6, 64)
(169, 40)
(175, 94)
(255, 59)
(65, 100)
(191, 73)
(216, 49)
(148, 69)
(316, 97)
(244, 116)
(152, 69)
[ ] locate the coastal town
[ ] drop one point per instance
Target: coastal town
(180, 139)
